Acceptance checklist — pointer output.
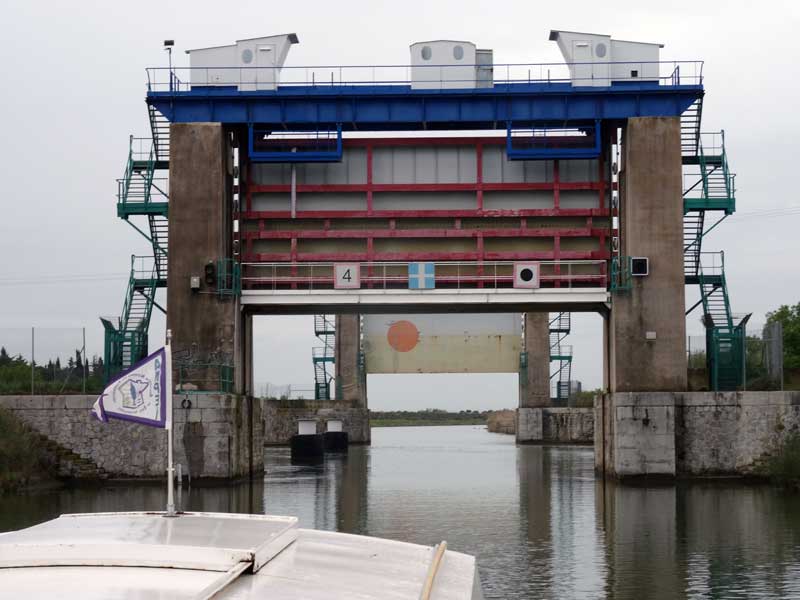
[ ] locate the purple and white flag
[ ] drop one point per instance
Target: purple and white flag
(139, 394)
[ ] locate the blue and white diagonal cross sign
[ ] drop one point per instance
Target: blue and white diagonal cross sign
(421, 276)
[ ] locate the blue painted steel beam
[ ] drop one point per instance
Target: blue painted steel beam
(398, 107)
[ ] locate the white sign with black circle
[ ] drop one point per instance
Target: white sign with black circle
(346, 276)
(526, 275)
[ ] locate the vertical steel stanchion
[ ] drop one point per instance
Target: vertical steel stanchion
(32, 361)
(83, 355)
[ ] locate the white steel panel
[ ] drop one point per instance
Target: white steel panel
(579, 199)
(498, 169)
(427, 298)
(443, 343)
(424, 200)
(424, 164)
(578, 170)
(536, 199)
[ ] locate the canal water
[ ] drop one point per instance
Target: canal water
(539, 522)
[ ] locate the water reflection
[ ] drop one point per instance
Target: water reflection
(539, 522)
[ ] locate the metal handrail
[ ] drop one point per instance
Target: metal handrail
(711, 263)
(561, 351)
(377, 273)
(180, 79)
(322, 352)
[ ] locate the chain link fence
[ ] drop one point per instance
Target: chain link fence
(763, 359)
(48, 360)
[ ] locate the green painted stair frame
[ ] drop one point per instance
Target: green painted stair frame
(322, 356)
(561, 355)
(126, 340)
(141, 192)
(709, 187)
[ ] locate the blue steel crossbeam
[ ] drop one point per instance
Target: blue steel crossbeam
(399, 107)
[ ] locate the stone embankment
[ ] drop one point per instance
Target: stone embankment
(217, 436)
(692, 434)
(545, 425)
(281, 417)
(502, 421)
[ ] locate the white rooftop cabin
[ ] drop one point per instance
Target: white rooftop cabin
(251, 64)
(597, 60)
(450, 64)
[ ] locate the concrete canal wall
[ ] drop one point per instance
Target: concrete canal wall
(691, 434)
(281, 417)
(219, 437)
(545, 425)
(555, 425)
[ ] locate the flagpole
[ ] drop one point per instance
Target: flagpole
(170, 468)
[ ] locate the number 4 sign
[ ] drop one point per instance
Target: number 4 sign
(346, 276)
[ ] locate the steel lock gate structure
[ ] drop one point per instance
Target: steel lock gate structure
(453, 161)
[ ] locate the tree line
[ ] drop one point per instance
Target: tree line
(51, 377)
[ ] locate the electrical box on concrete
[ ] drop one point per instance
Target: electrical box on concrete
(450, 64)
(640, 266)
(597, 60)
(251, 64)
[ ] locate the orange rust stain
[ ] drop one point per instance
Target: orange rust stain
(403, 336)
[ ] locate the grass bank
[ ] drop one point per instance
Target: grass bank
(425, 418)
(422, 423)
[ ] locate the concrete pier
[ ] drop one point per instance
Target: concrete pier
(534, 378)
(351, 380)
(281, 417)
(206, 329)
(691, 434)
(646, 330)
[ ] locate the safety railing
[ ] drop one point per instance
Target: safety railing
(138, 184)
(322, 353)
(448, 275)
(560, 352)
(143, 267)
(271, 391)
(185, 79)
(229, 281)
(196, 377)
(712, 263)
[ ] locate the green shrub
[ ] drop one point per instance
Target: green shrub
(784, 466)
(19, 453)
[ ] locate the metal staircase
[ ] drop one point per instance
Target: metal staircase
(561, 355)
(709, 187)
(159, 128)
(322, 356)
(690, 127)
(143, 190)
(126, 339)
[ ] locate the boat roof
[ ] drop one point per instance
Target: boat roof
(200, 555)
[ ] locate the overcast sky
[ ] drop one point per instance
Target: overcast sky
(73, 85)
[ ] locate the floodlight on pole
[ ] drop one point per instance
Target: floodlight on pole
(168, 44)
